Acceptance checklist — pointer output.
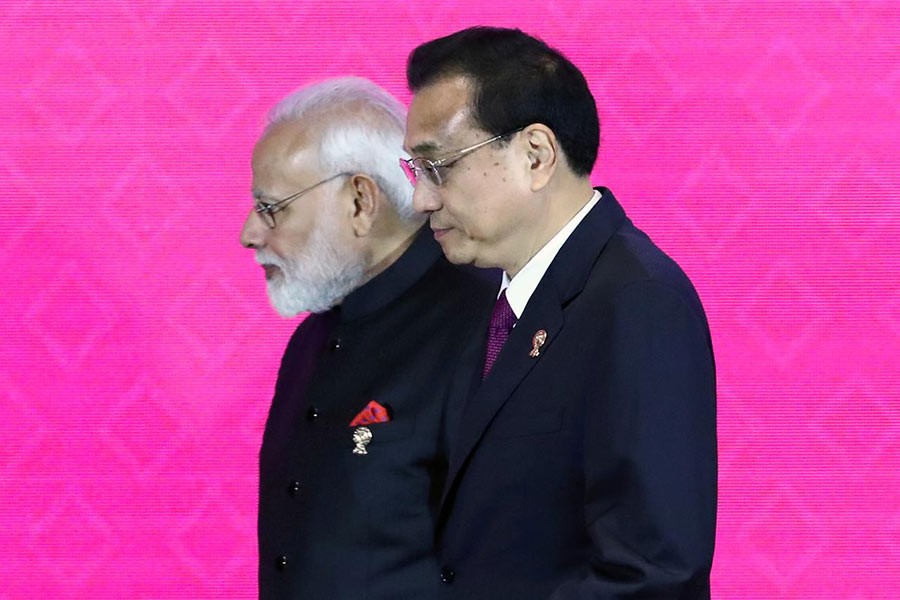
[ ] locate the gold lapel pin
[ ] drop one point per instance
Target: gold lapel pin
(540, 336)
(362, 437)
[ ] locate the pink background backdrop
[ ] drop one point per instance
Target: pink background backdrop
(757, 142)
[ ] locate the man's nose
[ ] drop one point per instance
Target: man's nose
(426, 199)
(254, 231)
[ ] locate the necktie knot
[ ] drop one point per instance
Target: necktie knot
(502, 320)
(503, 317)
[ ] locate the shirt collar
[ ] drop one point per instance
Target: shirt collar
(520, 288)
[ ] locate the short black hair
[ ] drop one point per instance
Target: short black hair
(516, 80)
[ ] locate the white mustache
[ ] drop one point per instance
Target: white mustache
(267, 258)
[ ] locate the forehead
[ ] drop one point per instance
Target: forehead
(439, 115)
(283, 158)
(280, 141)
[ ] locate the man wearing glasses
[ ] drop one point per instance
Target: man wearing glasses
(353, 455)
(584, 460)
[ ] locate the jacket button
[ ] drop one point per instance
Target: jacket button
(334, 344)
(293, 488)
(312, 414)
(281, 563)
(447, 574)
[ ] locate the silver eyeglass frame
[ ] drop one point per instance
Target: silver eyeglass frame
(267, 210)
(416, 165)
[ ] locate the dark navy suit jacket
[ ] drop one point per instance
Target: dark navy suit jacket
(337, 525)
(590, 470)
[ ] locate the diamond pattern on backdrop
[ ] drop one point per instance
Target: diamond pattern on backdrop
(781, 89)
(757, 142)
(69, 93)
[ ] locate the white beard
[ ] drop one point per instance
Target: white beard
(315, 279)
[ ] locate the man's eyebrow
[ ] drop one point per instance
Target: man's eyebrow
(424, 148)
(259, 196)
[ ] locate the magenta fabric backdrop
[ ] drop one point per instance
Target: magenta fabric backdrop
(757, 142)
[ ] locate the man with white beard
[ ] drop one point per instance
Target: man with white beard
(354, 454)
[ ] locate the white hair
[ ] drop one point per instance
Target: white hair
(362, 131)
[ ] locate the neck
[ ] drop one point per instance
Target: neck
(555, 209)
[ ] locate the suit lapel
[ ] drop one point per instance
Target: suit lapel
(512, 365)
(563, 281)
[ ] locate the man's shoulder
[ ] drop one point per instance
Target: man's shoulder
(463, 281)
(630, 262)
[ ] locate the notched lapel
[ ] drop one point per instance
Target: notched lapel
(512, 365)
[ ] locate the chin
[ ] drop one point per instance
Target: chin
(456, 253)
(457, 258)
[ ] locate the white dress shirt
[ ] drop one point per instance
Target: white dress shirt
(520, 288)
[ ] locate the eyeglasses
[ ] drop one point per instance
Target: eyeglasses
(266, 210)
(431, 169)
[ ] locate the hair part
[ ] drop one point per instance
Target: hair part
(516, 80)
(361, 127)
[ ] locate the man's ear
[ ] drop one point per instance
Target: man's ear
(366, 203)
(542, 152)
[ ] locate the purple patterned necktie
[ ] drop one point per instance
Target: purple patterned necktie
(502, 321)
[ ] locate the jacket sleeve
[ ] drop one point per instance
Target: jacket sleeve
(650, 451)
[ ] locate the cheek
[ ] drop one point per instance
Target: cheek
(289, 243)
(483, 208)
(476, 198)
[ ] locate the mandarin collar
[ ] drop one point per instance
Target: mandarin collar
(395, 280)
